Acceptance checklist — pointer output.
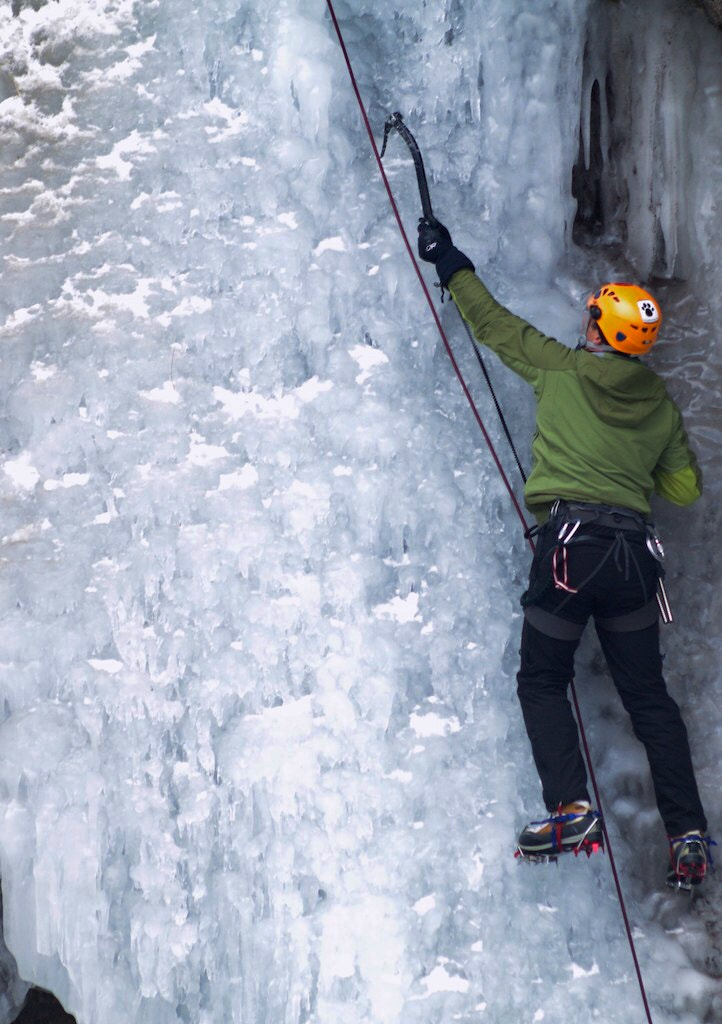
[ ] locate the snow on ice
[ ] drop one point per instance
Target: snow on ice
(260, 754)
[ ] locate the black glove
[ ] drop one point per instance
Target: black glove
(434, 240)
(435, 246)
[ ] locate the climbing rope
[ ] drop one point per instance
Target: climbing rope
(495, 400)
(502, 473)
(395, 122)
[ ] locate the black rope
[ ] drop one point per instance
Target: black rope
(499, 410)
(395, 122)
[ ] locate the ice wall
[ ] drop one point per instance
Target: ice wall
(649, 146)
(260, 757)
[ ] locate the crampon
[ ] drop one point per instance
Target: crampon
(574, 828)
(690, 856)
(587, 846)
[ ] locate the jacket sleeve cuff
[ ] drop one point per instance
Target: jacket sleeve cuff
(451, 261)
(681, 487)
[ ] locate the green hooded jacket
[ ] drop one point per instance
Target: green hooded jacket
(606, 430)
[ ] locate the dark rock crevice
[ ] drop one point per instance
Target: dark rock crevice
(713, 10)
(42, 1007)
(590, 219)
(634, 174)
(38, 1007)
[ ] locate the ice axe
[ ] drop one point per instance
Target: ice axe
(396, 122)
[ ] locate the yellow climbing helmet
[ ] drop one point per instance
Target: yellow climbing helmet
(628, 317)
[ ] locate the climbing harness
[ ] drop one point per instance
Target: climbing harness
(527, 531)
(569, 517)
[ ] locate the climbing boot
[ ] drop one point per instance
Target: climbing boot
(575, 828)
(689, 858)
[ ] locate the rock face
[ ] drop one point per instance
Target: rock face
(713, 10)
(43, 1008)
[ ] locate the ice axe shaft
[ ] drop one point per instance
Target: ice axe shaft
(396, 122)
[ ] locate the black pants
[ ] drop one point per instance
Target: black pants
(614, 594)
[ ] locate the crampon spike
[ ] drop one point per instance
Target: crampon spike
(680, 883)
(535, 858)
(586, 846)
(687, 878)
(589, 848)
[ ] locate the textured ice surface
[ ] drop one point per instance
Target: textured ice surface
(260, 754)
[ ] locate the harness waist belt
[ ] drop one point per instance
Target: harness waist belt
(599, 515)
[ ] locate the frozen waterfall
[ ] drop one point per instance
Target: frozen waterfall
(261, 760)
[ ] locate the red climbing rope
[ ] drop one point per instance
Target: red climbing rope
(504, 477)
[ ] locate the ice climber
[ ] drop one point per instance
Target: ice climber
(607, 436)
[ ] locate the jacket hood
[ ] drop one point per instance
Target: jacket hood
(622, 392)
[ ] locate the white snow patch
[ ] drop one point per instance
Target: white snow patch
(312, 388)
(434, 725)
(284, 406)
(368, 358)
(188, 306)
(166, 394)
(334, 244)
(22, 473)
(202, 454)
(98, 300)
(108, 665)
(133, 144)
(241, 480)
(235, 120)
(580, 972)
(424, 905)
(66, 481)
(400, 609)
(25, 533)
(288, 219)
(440, 980)
(21, 316)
